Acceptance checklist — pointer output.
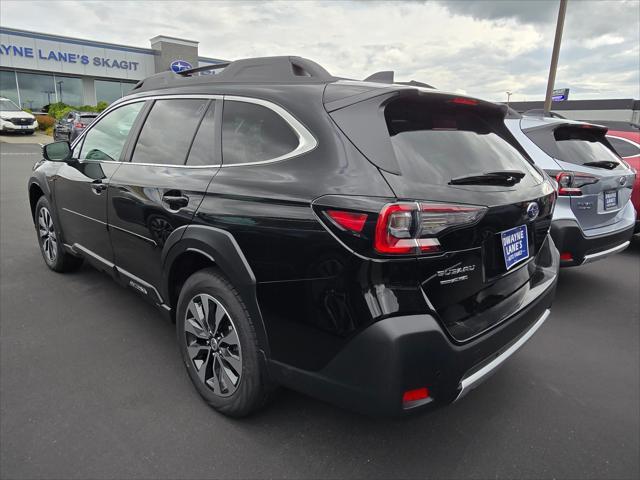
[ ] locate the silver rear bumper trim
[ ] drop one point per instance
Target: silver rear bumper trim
(469, 383)
(605, 253)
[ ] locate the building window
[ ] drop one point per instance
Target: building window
(69, 90)
(8, 87)
(110, 91)
(36, 90)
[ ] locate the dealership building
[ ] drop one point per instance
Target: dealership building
(37, 69)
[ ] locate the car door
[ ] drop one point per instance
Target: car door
(171, 162)
(80, 186)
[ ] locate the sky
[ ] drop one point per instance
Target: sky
(476, 47)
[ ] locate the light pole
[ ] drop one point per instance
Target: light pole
(60, 82)
(554, 56)
(508, 97)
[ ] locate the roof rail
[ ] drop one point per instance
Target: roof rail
(205, 68)
(285, 69)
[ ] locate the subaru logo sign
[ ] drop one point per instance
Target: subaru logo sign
(533, 210)
(178, 66)
(622, 181)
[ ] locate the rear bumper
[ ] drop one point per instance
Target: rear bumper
(404, 353)
(569, 238)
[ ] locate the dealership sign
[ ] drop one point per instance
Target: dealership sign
(75, 57)
(68, 57)
(178, 66)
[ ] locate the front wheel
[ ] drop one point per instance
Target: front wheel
(218, 344)
(53, 252)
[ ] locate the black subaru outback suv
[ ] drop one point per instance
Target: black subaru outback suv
(384, 247)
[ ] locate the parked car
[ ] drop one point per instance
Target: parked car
(625, 139)
(594, 217)
(14, 119)
(383, 247)
(69, 127)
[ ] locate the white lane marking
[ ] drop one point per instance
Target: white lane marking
(19, 153)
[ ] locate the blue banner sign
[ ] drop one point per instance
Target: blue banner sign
(67, 57)
(560, 95)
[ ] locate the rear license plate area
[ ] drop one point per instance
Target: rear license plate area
(610, 199)
(515, 245)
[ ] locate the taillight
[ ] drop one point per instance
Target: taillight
(394, 229)
(354, 222)
(570, 183)
(412, 227)
(79, 125)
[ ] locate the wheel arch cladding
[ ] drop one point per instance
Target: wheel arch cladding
(204, 246)
(35, 192)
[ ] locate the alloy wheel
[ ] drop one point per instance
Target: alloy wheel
(47, 232)
(213, 345)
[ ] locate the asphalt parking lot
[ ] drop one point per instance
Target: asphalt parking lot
(91, 386)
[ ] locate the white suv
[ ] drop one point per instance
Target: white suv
(13, 119)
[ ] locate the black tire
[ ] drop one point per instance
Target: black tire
(53, 252)
(253, 387)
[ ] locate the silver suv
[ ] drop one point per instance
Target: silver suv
(593, 217)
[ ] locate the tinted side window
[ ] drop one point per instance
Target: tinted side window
(168, 131)
(623, 148)
(204, 145)
(106, 139)
(253, 133)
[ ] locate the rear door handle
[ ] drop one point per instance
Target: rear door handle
(175, 200)
(98, 187)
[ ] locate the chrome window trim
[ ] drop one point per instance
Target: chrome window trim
(306, 140)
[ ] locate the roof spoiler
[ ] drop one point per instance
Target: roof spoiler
(387, 76)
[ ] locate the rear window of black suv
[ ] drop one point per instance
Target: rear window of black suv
(435, 143)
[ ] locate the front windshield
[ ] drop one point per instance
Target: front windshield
(7, 105)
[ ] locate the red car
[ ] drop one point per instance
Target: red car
(625, 139)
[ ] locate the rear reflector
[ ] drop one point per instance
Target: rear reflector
(79, 125)
(351, 221)
(415, 395)
(566, 256)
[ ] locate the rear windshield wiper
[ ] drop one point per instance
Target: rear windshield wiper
(608, 164)
(502, 177)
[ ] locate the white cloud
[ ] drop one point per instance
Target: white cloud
(485, 55)
(603, 40)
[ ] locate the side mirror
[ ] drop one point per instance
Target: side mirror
(57, 152)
